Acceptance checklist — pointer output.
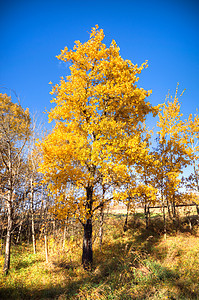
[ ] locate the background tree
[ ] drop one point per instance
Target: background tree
(14, 133)
(99, 111)
(191, 140)
(34, 178)
(170, 155)
(147, 189)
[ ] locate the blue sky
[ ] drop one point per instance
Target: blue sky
(166, 33)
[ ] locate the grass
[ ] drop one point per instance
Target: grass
(137, 264)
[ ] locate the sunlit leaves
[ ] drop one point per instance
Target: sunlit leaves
(14, 124)
(99, 111)
(171, 152)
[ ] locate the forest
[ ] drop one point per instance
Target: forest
(59, 187)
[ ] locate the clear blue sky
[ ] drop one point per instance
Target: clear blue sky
(166, 33)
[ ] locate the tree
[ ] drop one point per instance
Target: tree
(14, 132)
(191, 139)
(138, 184)
(147, 189)
(33, 177)
(170, 155)
(98, 114)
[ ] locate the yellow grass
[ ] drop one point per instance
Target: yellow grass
(137, 264)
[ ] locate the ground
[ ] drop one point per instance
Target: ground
(136, 264)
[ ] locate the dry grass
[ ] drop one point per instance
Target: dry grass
(137, 264)
(181, 211)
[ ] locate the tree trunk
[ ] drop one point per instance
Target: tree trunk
(101, 226)
(101, 218)
(87, 256)
(33, 235)
(174, 209)
(54, 229)
(147, 215)
(45, 220)
(189, 222)
(164, 220)
(32, 217)
(127, 214)
(6, 266)
(175, 219)
(197, 183)
(1, 249)
(64, 236)
(46, 244)
(19, 232)
(169, 210)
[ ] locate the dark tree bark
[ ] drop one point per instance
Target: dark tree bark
(127, 214)
(174, 207)
(147, 215)
(87, 256)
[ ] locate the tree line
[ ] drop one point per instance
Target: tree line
(98, 152)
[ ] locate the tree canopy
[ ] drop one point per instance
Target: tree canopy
(99, 114)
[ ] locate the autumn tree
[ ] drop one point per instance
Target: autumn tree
(98, 114)
(191, 140)
(138, 187)
(170, 155)
(14, 132)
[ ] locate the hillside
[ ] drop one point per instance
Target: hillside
(136, 264)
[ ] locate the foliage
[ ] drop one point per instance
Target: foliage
(14, 130)
(171, 154)
(191, 139)
(99, 150)
(98, 133)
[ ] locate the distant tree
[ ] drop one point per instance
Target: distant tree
(99, 111)
(170, 155)
(191, 140)
(138, 186)
(14, 133)
(33, 177)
